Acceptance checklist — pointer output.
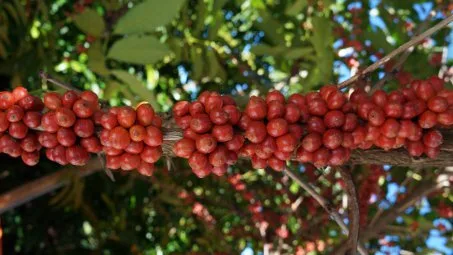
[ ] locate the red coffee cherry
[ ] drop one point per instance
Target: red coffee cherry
(390, 128)
(227, 100)
(276, 164)
(275, 95)
(83, 109)
(77, 155)
(445, 118)
(135, 147)
(232, 158)
(262, 153)
(310, 96)
(89, 96)
(364, 109)
(258, 163)
(282, 155)
(358, 96)
(196, 108)
(15, 113)
(312, 142)
(437, 104)
(66, 137)
(19, 93)
(153, 136)
(395, 97)
(203, 97)
(189, 133)
(408, 94)
(244, 122)
(350, 122)
(65, 117)
(206, 143)
(338, 157)
(235, 144)
(256, 132)
(385, 142)
(256, 108)
(219, 170)
(223, 133)
(137, 133)
(30, 158)
(359, 134)
(321, 157)
(334, 119)
(213, 101)
(110, 151)
(233, 113)
(286, 143)
(277, 127)
(4, 123)
(18, 130)
(415, 148)
(433, 138)
(52, 100)
(130, 161)
(203, 172)
(376, 117)
(69, 98)
(297, 99)
(180, 109)
(379, 98)
(336, 100)
(372, 133)
(218, 116)
(296, 130)
(425, 91)
(427, 120)
(198, 160)
(84, 128)
(184, 148)
(30, 143)
(145, 168)
(31, 119)
(326, 90)
(317, 107)
(113, 162)
(292, 114)
(91, 144)
(183, 122)
(109, 120)
(393, 110)
(348, 140)
(119, 138)
(59, 155)
(201, 123)
(157, 121)
(275, 109)
(49, 122)
(304, 156)
(47, 140)
(151, 154)
(332, 138)
(432, 153)
(219, 156)
(316, 124)
(31, 103)
(269, 145)
(126, 116)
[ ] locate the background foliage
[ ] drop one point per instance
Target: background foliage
(165, 51)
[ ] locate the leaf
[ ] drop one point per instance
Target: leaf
(295, 53)
(111, 89)
(295, 8)
(137, 87)
(214, 68)
(148, 15)
(138, 50)
(96, 59)
(378, 39)
(264, 49)
(282, 51)
(196, 56)
(270, 27)
(90, 22)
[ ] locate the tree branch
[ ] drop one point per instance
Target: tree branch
(353, 208)
(325, 204)
(415, 40)
(45, 76)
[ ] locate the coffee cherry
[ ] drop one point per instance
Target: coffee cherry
(348, 140)
(66, 137)
(219, 170)
(408, 94)
(223, 133)
(69, 98)
(218, 157)
(321, 157)
(10, 146)
(445, 118)
(18, 130)
(206, 143)
(196, 108)
(358, 96)
(286, 143)
(334, 119)
(30, 158)
(232, 158)
(180, 109)
(91, 144)
(151, 154)
(31, 119)
(393, 110)
(282, 155)
(157, 121)
(332, 138)
(84, 128)
(258, 163)
(310, 96)
(326, 90)
(317, 107)
(153, 136)
(213, 101)
(201, 123)
(183, 122)
(276, 164)
(31, 103)
(372, 133)
(47, 140)
(137, 133)
(312, 142)
(110, 151)
(218, 116)
(316, 124)
(83, 108)
(385, 142)
(364, 109)
(275, 95)
(415, 148)
(244, 122)
(359, 134)
(425, 91)
(113, 162)
(261, 153)
(432, 153)
(65, 117)
(235, 144)
(126, 116)
(4, 123)
(275, 109)
(189, 133)
(269, 145)
(109, 120)
(427, 120)
(256, 132)
(19, 93)
(390, 128)
(409, 110)
(297, 99)
(77, 155)
(52, 100)
(15, 113)
(304, 156)
(49, 122)
(379, 98)
(350, 122)
(277, 127)
(339, 156)
(135, 147)
(145, 168)
(130, 161)
(336, 100)
(89, 96)
(184, 148)
(416, 133)
(119, 138)
(198, 160)
(233, 113)
(296, 130)
(6, 100)
(433, 138)
(437, 104)
(59, 155)
(256, 108)
(30, 143)
(376, 117)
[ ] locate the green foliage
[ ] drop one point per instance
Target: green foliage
(90, 22)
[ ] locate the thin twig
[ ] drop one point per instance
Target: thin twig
(325, 204)
(45, 76)
(397, 67)
(415, 40)
(353, 208)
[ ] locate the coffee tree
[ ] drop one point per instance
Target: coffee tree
(212, 126)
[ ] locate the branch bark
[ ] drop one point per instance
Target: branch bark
(415, 40)
(45, 76)
(353, 208)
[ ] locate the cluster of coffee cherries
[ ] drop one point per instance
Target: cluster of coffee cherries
(210, 141)
(408, 117)
(131, 138)
(19, 114)
(369, 187)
